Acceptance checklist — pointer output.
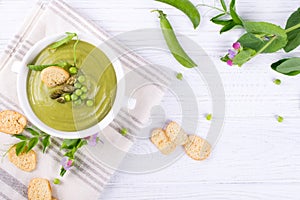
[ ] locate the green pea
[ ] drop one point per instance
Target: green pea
(279, 119)
(124, 131)
(84, 89)
(78, 102)
(208, 117)
(277, 81)
(67, 97)
(83, 96)
(81, 79)
(56, 181)
(78, 92)
(74, 97)
(77, 85)
(73, 70)
(89, 103)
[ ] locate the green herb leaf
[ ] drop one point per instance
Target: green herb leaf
(63, 41)
(20, 136)
(243, 56)
(20, 147)
(69, 143)
(32, 131)
(259, 34)
(229, 25)
(293, 33)
(218, 21)
(288, 66)
(32, 143)
(235, 17)
(224, 5)
(46, 143)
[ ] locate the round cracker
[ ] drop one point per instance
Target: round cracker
(197, 148)
(162, 142)
(25, 161)
(176, 133)
(39, 189)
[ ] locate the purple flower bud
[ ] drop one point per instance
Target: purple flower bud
(66, 163)
(92, 140)
(229, 62)
(236, 45)
(231, 54)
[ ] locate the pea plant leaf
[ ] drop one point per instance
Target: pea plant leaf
(228, 19)
(20, 137)
(235, 17)
(20, 147)
(293, 31)
(46, 143)
(243, 56)
(287, 66)
(32, 143)
(260, 34)
(32, 131)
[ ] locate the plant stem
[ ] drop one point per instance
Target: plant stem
(266, 46)
(219, 9)
(292, 28)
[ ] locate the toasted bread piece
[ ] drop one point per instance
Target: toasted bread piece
(25, 161)
(39, 189)
(12, 122)
(53, 76)
(162, 142)
(197, 148)
(176, 133)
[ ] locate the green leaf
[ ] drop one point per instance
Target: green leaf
(287, 66)
(223, 5)
(20, 147)
(46, 143)
(20, 136)
(235, 17)
(258, 31)
(32, 131)
(32, 143)
(230, 25)
(293, 33)
(243, 56)
(218, 21)
(81, 143)
(69, 143)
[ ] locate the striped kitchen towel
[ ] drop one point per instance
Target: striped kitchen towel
(88, 178)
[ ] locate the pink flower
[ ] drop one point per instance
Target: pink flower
(92, 140)
(66, 163)
(236, 45)
(229, 62)
(231, 54)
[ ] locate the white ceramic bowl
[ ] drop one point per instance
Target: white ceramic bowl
(22, 71)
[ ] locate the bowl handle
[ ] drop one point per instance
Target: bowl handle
(129, 103)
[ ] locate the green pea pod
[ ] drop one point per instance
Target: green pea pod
(41, 67)
(174, 46)
(187, 8)
(63, 41)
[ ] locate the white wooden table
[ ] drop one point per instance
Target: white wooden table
(256, 157)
